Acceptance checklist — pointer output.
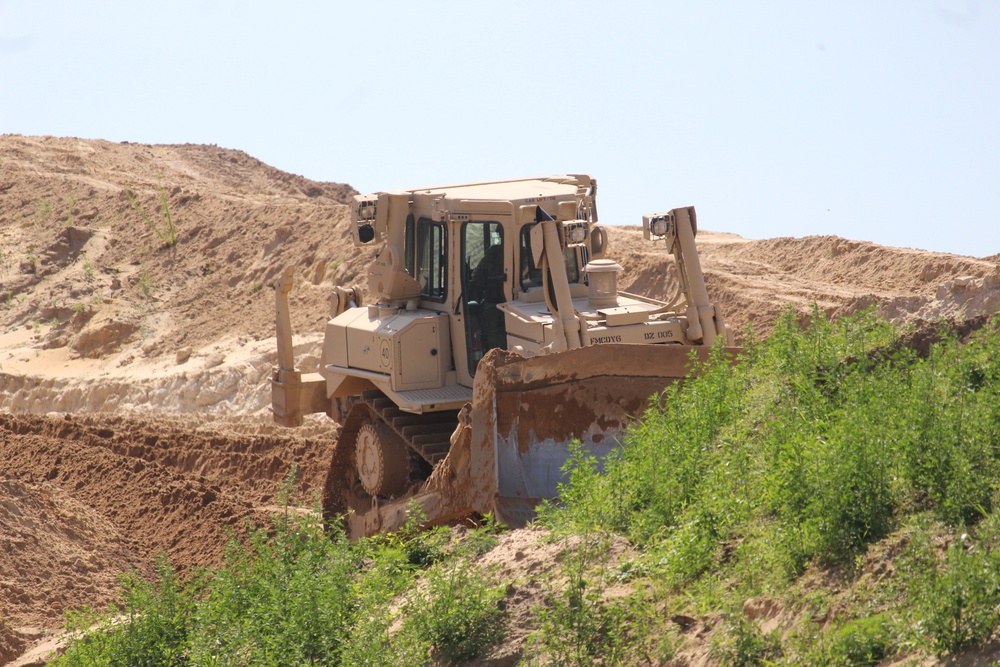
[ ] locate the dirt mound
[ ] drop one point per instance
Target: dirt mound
(85, 499)
(67, 554)
(77, 231)
(754, 281)
(94, 304)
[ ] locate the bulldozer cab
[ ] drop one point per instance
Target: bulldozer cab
(466, 250)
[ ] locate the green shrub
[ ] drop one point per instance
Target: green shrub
(742, 644)
(863, 642)
(283, 599)
(298, 592)
(957, 600)
(826, 431)
(950, 424)
(151, 627)
(457, 614)
(579, 625)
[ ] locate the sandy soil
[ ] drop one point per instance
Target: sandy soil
(134, 376)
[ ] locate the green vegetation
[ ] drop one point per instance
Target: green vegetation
(298, 593)
(149, 628)
(958, 595)
(823, 441)
(846, 474)
(146, 283)
(742, 644)
(44, 210)
(578, 625)
(168, 233)
(456, 615)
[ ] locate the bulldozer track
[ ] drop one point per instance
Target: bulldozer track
(428, 434)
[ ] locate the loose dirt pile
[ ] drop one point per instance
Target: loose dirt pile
(85, 498)
(87, 287)
(161, 354)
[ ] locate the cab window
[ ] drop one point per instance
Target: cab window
(432, 259)
(408, 240)
(531, 275)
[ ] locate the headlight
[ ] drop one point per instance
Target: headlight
(366, 210)
(576, 232)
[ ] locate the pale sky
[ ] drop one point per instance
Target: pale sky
(870, 120)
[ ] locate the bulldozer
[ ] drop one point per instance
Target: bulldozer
(492, 337)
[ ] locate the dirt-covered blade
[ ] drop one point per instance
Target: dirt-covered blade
(526, 412)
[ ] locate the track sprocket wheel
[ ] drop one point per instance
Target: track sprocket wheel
(381, 460)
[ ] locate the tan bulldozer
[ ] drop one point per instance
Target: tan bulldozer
(494, 336)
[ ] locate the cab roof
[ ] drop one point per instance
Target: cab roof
(522, 190)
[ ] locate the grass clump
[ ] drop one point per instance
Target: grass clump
(167, 233)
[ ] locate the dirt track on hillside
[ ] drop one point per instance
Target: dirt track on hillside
(158, 359)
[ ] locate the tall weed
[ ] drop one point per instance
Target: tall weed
(742, 644)
(298, 592)
(283, 599)
(956, 595)
(168, 233)
(579, 624)
(863, 642)
(457, 614)
(151, 627)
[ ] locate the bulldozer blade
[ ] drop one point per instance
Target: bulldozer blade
(525, 420)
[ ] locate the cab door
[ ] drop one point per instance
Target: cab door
(484, 285)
